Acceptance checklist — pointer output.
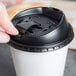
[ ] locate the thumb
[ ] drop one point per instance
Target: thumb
(4, 38)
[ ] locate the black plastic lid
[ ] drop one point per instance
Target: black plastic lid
(41, 29)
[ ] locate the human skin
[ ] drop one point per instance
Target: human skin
(6, 25)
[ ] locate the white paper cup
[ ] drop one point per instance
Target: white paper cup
(39, 64)
(41, 47)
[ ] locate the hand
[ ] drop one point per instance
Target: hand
(6, 25)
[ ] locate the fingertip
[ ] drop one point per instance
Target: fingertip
(11, 30)
(15, 32)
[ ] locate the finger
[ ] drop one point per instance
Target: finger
(5, 21)
(4, 38)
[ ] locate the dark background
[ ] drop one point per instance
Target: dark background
(7, 68)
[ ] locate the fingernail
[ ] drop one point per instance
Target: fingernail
(13, 30)
(4, 38)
